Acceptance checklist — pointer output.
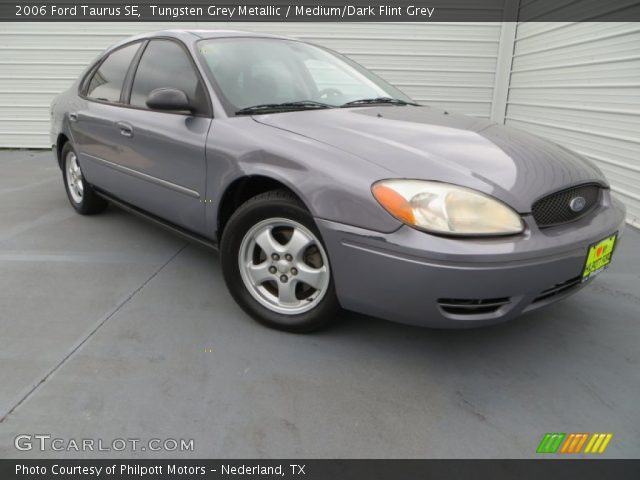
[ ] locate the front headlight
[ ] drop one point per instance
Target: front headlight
(446, 209)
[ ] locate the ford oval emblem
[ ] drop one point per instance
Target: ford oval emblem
(577, 204)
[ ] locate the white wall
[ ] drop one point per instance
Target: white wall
(441, 64)
(579, 85)
(575, 83)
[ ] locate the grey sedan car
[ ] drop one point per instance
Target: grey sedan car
(324, 187)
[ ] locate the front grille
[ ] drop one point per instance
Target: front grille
(555, 209)
(466, 306)
(558, 289)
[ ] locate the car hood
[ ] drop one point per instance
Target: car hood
(431, 144)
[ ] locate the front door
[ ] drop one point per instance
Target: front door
(164, 152)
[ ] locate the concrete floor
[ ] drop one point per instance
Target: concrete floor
(112, 328)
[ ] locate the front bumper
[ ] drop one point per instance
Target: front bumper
(412, 277)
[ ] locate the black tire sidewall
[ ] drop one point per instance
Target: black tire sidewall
(65, 151)
(91, 203)
(248, 215)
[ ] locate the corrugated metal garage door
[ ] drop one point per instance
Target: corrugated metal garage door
(449, 65)
(579, 85)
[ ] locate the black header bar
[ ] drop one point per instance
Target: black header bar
(585, 469)
(321, 11)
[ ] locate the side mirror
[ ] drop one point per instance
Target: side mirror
(170, 99)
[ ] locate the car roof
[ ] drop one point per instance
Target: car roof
(191, 36)
(229, 33)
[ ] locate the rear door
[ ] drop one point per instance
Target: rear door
(93, 121)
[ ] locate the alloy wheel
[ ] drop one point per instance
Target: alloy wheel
(284, 266)
(74, 177)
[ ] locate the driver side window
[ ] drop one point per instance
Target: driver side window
(165, 64)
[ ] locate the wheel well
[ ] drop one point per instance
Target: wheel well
(242, 190)
(60, 142)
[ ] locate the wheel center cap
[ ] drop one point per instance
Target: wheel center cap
(282, 266)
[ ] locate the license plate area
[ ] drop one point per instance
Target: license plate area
(599, 256)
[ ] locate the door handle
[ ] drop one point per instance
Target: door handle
(73, 117)
(125, 129)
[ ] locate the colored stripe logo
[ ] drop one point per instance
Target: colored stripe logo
(598, 443)
(550, 442)
(574, 442)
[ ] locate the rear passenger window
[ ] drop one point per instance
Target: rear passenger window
(106, 83)
(165, 64)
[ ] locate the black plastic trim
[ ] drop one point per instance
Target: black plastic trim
(180, 231)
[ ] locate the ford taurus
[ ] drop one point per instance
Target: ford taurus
(324, 187)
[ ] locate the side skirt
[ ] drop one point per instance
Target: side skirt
(186, 234)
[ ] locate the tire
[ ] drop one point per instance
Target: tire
(80, 193)
(270, 248)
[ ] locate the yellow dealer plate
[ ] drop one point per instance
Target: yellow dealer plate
(599, 256)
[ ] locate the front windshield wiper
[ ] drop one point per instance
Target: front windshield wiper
(369, 101)
(270, 107)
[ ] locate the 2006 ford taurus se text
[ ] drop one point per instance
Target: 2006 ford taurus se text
(324, 186)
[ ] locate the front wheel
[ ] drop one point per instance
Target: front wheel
(275, 265)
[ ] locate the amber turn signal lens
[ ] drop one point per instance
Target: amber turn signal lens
(394, 203)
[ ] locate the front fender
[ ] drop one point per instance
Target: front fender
(333, 184)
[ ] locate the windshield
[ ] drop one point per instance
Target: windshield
(249, 72)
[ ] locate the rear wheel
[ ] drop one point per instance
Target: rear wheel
(275, 265)
(81, 195)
